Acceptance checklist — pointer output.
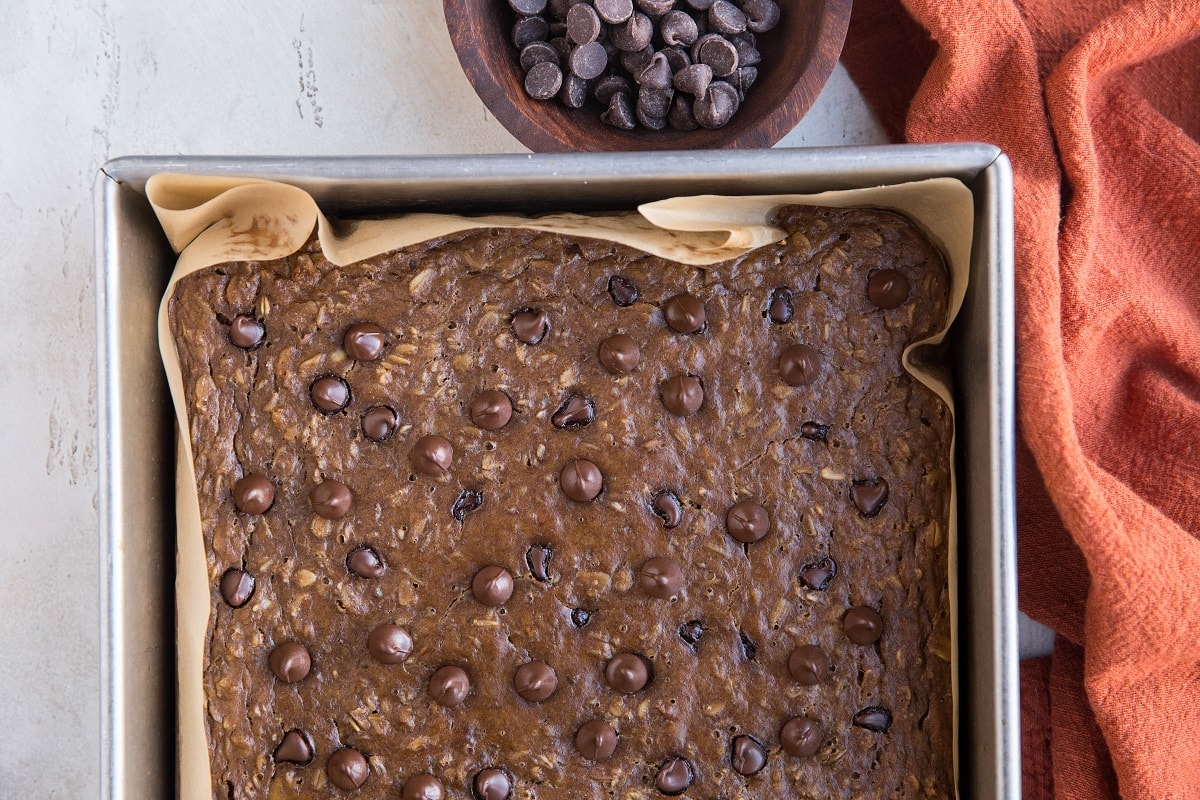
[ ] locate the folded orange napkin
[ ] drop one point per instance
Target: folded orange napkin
(1097, 103)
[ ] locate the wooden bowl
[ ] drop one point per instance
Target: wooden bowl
(797, 59)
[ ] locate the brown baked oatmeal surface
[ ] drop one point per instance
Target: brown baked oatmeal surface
(790, 530)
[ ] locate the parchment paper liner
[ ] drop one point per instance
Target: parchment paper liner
(215, 220)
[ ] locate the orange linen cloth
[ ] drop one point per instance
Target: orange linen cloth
(1097, 103)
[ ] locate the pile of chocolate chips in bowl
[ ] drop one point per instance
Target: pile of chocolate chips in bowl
(650, 63)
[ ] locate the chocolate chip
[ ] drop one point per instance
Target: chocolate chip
(543, 80)
(683, 395)
(747, 521)
(364, 341)
(538, 558)
(619, 354)
(808, 665)
(581, 480)
(743, 79)
(588, 60)
(660, 577)
(237, 587)
(678, 27)
(492, 585)
(253, 494)
(329, 394)
(530, 325)
(561, 45)
(619, 113)
(294, 748)
(700, 5)
(491, 410)
(749, 646)
(614, 11)
(628, 673)
(717, 52)
(633, 34)
(801, 737)
(330, 499)
(874, 718)
(580, 617)
(725, 17)
(677, 58)
(863, 625)
(468, 500)
(247, 332)
(666, 506)
(799, 365)
(365, 562)
(290, 661)
(527, 7)
(694, 79)
(389, 644)
(761, 15)
(674, 776)
(347, 769)
(529, 29)
(575, 412)
(717, 106)
(583, 24)
(655, 8)
(692, 632)
(681, 116)
(432, 455)
(814, 431)
(747, 755)
(536, 53)
(887, 288)
(685, 313)
(535, 681)
(656, 74)
(596, 740)
(634, 61)
(649, 121)
(492, 783)
(779, 307)
(816, 576)
(654, 104)
(574, 91)
(379, 423)
(622, 290)
(449, 686)
(747, 53)
(423, 787)
(869, 495)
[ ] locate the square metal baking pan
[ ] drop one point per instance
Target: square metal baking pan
(137, 532)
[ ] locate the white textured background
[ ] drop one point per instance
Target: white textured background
(82, 82)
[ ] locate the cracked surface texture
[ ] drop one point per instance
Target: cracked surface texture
(446, 307)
